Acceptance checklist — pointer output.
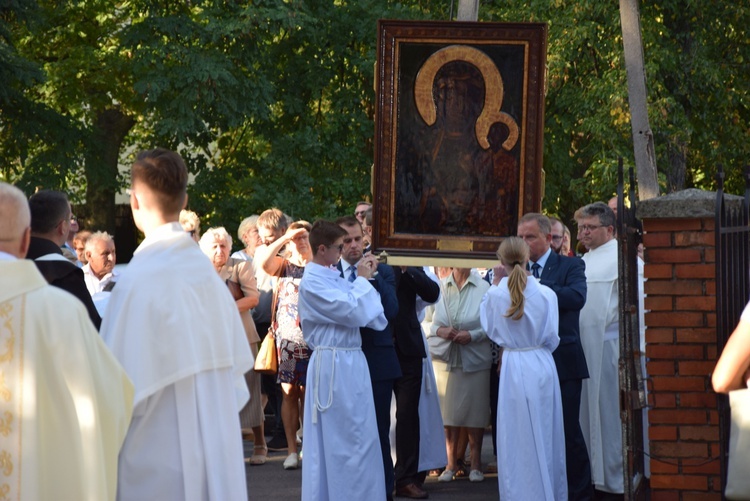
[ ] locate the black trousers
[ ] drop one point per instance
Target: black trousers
(382, 392)
(407, 390)
(576, 455)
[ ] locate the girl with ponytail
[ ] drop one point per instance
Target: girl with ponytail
(521, 316)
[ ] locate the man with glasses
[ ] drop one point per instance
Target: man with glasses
(600, 406)
(340, 428)
(567, 279)
(557, 230)
(361, 210)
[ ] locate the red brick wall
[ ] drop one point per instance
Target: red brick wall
(681, 351)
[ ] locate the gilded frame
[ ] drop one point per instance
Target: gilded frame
(455, 166)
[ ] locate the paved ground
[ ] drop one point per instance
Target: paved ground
(272, 482)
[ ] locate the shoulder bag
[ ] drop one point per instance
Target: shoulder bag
(267, 361)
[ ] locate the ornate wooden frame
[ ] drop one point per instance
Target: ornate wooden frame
(455, 166)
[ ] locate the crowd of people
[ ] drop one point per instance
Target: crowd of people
(168, 389)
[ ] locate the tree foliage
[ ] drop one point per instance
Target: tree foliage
(272, 103)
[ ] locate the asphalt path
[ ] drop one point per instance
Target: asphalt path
(271, 482)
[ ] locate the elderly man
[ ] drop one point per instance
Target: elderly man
(174, 326)
(600, 329)
(50, 219)
(99, 272)
(66, 402)
(567, 279)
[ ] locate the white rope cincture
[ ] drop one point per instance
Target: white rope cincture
(317, 406)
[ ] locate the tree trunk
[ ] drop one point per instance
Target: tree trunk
(676, 171)
(101, 167)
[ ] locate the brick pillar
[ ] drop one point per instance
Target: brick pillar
(681, 345)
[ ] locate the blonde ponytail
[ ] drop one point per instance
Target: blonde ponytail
(514, 251)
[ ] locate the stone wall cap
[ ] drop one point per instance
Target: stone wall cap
(685, 204)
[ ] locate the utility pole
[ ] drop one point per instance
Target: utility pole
(468, 10)
(643, 137)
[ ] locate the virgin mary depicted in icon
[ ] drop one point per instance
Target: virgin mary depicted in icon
(458, 168)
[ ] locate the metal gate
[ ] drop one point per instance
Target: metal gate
(732, 283)
(631, 364)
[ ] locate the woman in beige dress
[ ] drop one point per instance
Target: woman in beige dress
(462, 371)
(216, 244)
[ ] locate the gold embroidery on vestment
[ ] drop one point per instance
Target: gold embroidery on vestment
(5, 423)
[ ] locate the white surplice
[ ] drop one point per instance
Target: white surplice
(530, 432)
(343, 459)
(175, 328)
(600, 405)
(65, 402)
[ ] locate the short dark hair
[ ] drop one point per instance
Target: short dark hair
(165, 173)
(605, 214)
(48, 208)
(348, 221)
(325, 233)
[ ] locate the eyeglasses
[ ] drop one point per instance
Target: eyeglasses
(360, 212)
(588, 228)
(557, 238)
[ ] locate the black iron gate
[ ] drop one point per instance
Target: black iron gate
(732, 282)
(631, 364)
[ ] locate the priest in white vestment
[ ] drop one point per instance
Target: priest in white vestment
(174, 326)
(65, 401)
(343, 458)
(600, 331)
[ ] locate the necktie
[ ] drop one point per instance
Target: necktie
(535, 270)
(352, 273)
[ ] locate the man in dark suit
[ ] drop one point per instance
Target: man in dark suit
(50, 224)
(411, 282)
(566, 277)
(376, 345)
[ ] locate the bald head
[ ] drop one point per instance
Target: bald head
(15, 221)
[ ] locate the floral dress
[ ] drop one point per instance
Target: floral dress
(294, 353)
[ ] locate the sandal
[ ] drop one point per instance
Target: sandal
(258, 459)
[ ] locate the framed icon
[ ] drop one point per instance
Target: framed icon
(459, 135)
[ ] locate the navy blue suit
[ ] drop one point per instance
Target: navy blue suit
(407, 332)
(567, 278)
(383, 364)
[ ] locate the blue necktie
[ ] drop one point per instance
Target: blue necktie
(535, 270)
(352, 273)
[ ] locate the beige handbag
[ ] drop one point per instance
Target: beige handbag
(738, 477)
(267, 360)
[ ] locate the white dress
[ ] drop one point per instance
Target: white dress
(175, 328)
(530, 433)
(343, 459)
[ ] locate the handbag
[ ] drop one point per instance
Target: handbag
(738, 480)
(267, 361)
(440, 349)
